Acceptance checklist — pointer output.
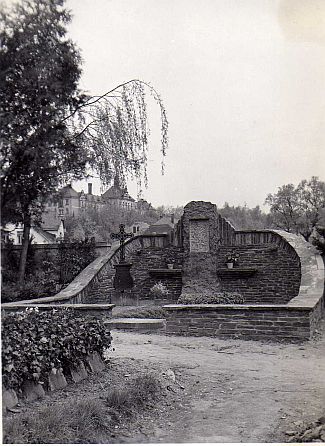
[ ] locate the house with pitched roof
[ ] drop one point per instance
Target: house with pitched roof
(165, 225)
(118, 196)
(38, 234)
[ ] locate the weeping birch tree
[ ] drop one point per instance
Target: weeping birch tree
(51, 132)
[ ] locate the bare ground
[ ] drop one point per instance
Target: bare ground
(224, 390)
(234, 391)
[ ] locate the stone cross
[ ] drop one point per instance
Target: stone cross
(122, 236)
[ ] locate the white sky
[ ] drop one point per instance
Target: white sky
(243, 82)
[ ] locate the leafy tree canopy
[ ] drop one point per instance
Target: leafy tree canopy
(242, 217)
(298, 208)
(51, 132)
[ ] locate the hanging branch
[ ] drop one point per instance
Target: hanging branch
(117, 134)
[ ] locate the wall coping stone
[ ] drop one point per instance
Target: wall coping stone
(244, 307)
(312, 269)
(20, 305)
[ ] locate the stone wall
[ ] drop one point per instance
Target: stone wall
(46, 251)
(245, 321)
(271, 267)
(94, 283)
(295, 320)
(277, 271)
(149, 266)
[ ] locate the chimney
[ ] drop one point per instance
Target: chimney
(90, 188)
(172, 218)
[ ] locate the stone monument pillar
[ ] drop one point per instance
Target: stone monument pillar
(201, 238)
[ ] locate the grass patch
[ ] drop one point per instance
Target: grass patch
(150, 312)
(128, 399)
(79, 422)
(88, 421)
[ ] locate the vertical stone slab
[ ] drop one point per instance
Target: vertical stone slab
(32, 391)
(9, 398)
(201, 239)
(57, 380)
(95, 363)
(78, 373)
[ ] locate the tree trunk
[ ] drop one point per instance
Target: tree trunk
(24, 250)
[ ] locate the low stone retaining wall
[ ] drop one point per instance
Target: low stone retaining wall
(267, 322)
(94, 284)
(98, 310)
(296, 320)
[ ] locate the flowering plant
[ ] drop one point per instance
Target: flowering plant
(232, 257)
(159, 290)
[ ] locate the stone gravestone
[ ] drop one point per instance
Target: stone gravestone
(95, 362)
(33, 391)
(9, 399)
(57, 380)
(79, 372)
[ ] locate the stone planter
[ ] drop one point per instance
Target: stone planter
(230, 265)
(170, 265)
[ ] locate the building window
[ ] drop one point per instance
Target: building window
(67, 210)
(20, 237)
(67, 201)
(5, 237)
(134, 229)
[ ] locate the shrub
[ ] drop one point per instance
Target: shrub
(46, 276)
(39, 285)
(73, 257)
(318, 238)
(142, 312)
(35, 342)
(217, 298)
(159, 290)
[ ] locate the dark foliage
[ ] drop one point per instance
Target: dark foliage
(33, 343)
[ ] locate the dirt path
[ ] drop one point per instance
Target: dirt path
(234, 391)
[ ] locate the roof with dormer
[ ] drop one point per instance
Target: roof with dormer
(116, 192)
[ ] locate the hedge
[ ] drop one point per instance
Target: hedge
(223, 297)
(34, 343)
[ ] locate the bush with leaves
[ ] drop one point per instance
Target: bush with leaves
(33, 343)
(73, 257)
(318, 238)
(159, 290)
(223, 297)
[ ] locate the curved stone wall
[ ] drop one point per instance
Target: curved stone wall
(94, 281)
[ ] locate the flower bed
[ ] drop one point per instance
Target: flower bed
(35, 343)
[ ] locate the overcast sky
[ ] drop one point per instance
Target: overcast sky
(243, 82)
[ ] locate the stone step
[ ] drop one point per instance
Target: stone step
(136, 324)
